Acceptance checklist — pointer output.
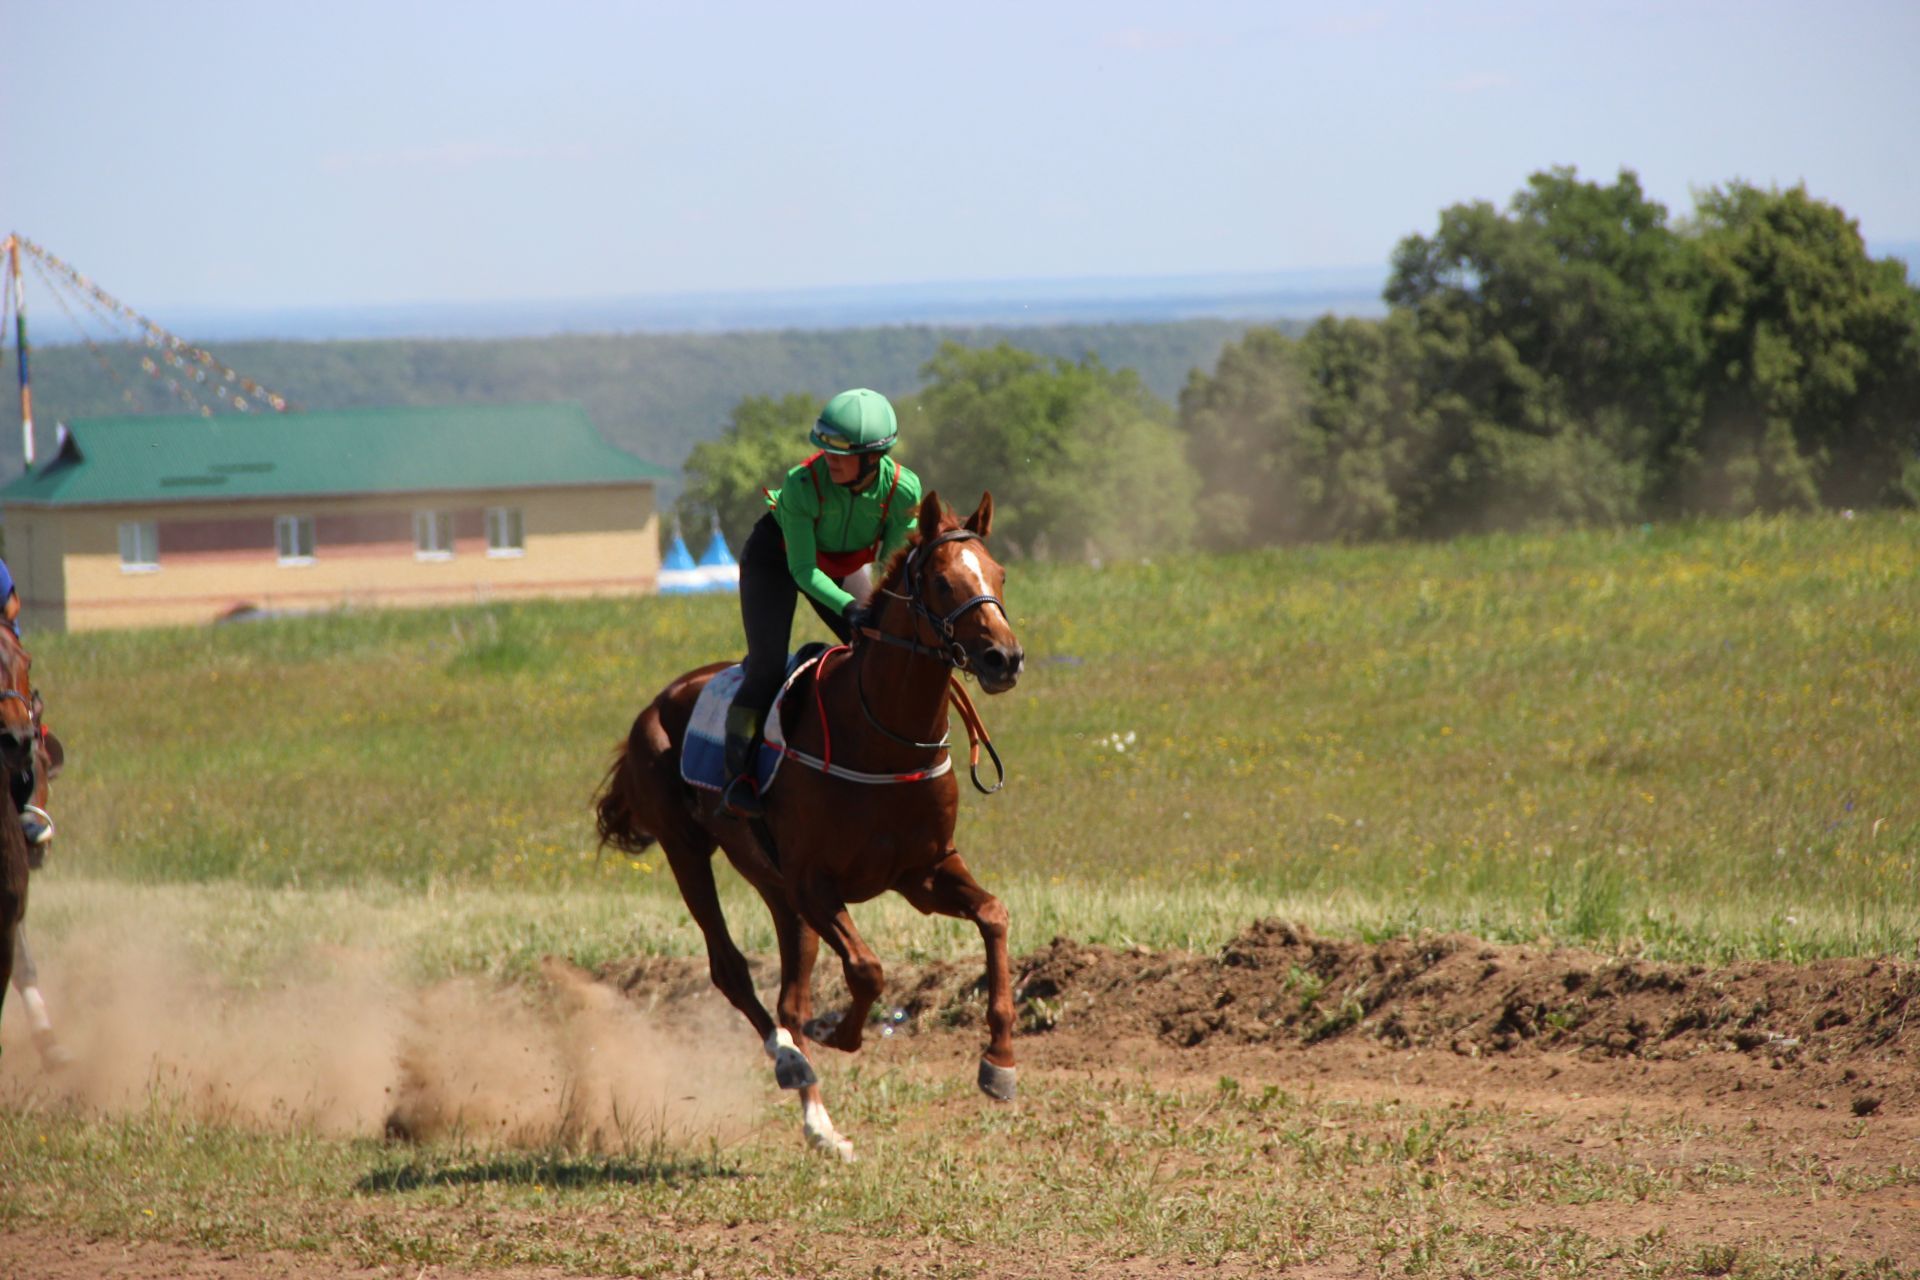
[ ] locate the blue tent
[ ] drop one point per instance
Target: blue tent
(678, 574)
(718, 569)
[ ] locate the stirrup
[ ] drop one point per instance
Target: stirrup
(742, 797)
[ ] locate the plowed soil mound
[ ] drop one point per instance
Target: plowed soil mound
(1851, 1026)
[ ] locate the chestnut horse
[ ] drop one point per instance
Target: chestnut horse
(879, 709)
(18, 739)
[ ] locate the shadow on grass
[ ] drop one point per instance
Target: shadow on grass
(543, 1171)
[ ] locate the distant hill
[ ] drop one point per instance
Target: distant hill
(656, 395)
(1269, 295)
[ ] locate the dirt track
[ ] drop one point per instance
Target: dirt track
(1821, 1062)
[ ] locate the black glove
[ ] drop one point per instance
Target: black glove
(855, 616)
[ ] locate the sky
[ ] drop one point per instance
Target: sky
(276, 154)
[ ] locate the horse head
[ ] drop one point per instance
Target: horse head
(954, 584)
(18, 730)
(17, 727)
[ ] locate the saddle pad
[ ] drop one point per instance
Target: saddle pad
(703, 756)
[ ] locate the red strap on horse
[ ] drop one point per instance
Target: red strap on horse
(838, 564)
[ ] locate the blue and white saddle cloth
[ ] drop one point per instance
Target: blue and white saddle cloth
(703, 756)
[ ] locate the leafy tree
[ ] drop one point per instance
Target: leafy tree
(1308, 439)
(1812, 368)
(1558, 351)
(729, 477)
(1078, 457)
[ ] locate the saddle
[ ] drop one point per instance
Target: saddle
(703, 754)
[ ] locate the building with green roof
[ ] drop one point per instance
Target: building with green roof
(140, 521)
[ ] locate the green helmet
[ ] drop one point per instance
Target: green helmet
(857, 421)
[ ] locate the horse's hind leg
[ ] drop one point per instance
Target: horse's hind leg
(950, 890)
(26, 980)
(693, 871)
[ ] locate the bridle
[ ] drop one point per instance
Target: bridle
(945, 649)
(29, 772)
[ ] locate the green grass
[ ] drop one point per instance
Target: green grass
(1695, 739)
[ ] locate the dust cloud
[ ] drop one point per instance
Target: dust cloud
(343, 1047)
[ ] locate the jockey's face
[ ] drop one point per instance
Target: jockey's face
(843, 467)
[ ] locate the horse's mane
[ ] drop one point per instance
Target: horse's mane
(897, 563)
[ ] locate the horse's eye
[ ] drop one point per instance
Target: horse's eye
(945, 583)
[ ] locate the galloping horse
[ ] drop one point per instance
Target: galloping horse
(18, 740)
(842, 836)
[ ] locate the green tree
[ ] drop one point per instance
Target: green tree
(1558, 351)
(1812, 370)
(1309, 439)
(1078, 457)
(729, 477)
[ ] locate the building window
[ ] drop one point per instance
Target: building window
(139, 547)
(293, 538)
(505, 536)
(433, 535)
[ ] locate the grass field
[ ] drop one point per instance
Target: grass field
(1698, 740)
(1691, 742)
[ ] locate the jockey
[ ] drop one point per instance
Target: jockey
(34, 822)
(839, 511)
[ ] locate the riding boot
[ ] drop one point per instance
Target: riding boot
(742, 794)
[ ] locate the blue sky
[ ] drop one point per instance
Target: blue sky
(265, 155)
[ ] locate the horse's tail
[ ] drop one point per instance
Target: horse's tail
(616, 816)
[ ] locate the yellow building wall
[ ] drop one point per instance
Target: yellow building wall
(578, 542)
(34, 557)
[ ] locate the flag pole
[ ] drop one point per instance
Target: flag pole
(20, 339)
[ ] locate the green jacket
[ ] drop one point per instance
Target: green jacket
(831, 530)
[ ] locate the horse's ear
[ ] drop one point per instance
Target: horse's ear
(930, 510)
(981, 521)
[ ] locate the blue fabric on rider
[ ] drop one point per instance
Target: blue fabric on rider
(6, 590)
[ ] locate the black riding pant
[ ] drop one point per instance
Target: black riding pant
(767, 594)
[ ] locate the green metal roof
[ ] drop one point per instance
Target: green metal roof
(311, 454)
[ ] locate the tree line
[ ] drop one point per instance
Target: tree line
(653, 394)
(1576, 357)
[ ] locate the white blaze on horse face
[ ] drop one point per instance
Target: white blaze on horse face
(980, 587)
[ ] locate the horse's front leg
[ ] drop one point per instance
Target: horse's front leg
(822, 907)
(949, 889)
(799, 946)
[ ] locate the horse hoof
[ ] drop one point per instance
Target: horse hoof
(822, 1027)
(791, 1070)
(997, 1083)
(834, 1145)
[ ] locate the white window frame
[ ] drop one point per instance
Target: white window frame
(502, 521)
(139, 546)
(433, 535)
(286, 533)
